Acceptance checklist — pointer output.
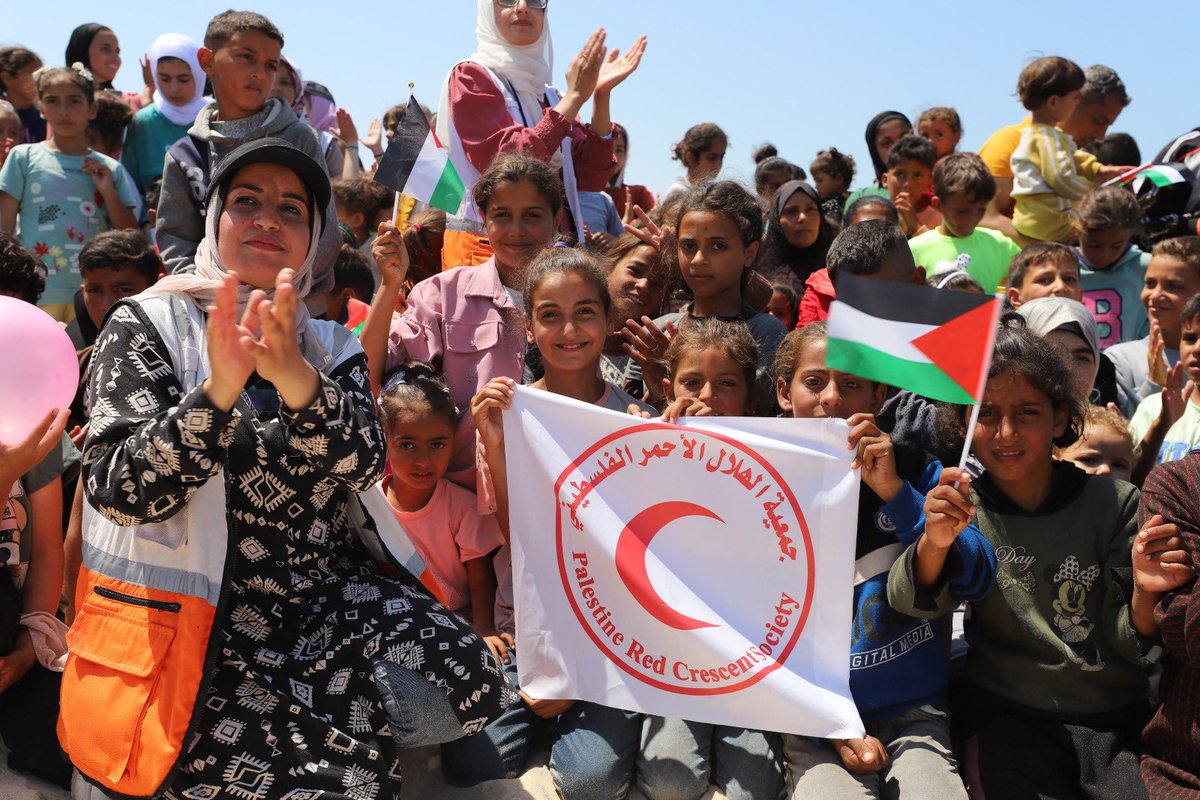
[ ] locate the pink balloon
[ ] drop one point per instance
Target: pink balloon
(39, 369)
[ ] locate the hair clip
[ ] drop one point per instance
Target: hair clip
(560, 244)
(83, 71)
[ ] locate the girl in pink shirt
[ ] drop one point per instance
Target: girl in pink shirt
(439, 517)
(468, 323)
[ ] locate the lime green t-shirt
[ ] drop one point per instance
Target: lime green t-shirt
(984, 254)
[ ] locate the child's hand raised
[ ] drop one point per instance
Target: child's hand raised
(101, 175)
(646, 344)
(390, 254)
(1156, 355)
(487, 407)
(862, 756)
(948, 509)
(347, 130)
(1161, 562)
(374, 138)
(646, 230)
(875, 456)
(1175, 395)
(686, 407)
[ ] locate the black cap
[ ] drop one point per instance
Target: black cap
(277, 151)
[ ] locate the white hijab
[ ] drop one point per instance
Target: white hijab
(176, 45)
(529, 69)
(201, 285)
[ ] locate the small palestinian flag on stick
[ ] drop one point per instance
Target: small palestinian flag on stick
(933, 342)
(416, 164)
(1158, 174)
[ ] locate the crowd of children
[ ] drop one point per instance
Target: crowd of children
(1070, 539)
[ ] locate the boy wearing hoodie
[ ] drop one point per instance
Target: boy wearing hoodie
(241, 55)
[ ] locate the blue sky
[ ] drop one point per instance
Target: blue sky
(799, 74)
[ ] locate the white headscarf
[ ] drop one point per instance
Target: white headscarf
(529, 69)
(176, 45)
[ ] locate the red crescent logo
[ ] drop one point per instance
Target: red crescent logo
(631, 560)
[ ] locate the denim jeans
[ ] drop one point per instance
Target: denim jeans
(593, 755)
(679, 758)
(922, 763)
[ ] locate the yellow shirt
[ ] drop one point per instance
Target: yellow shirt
(998, 149)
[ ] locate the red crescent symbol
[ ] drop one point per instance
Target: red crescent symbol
(631, 560)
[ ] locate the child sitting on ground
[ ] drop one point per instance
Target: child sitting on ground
(1049, 174)
(941, 126)
(909, 181)
(1105, 446)
(1112, 268)
(1043, 269)
(901, 697)
(962, 189)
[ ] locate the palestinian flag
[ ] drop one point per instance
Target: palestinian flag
(416, 164)
(1160, 175)
(933, 342)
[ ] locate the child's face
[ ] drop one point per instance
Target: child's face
(104, 56)
(284, 85)
(353, 220)
(1168, 284)
(961, 213)
(102, 288)
(707, 165)
(1101, 451)
(19, 85)
(939, 133)
(1101, 249)
(887, 135)
(715, 379)
(712, 257)
(66, 107)
(174, 78)
(1060, 107)
(826, 184)
(637, 284)
(1080, 358)
(818, 392)
(1047, 279)
(772, 183)
(909, 177)
(10, 134)
(1189, 349)
(620, 153)
(780, 307)
(519, 25)
(568, 323)
(519, 223)
(242, 71)
(1014, 438)
(800, 219)
(419, 450)
(265, 224)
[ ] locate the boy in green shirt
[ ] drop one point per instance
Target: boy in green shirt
(962, 188)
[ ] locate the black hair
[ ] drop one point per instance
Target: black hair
(912, 148)
(21, 273)
(1191, 310)
(1039, 253)
(82, 80)
(835, 164)
(1021, 353)
(12, 61)
(512, 168)
(223, 26)
(697, 140)
(965, 174)
(352, 271)
(414, 387)
(793, 347)
(861, 249)
(866, 201)
(1116, 150)
(153, 192)
(1043, 78)
(120, 250)
(730, 200)
(560, 261)
(107, 129)
(767, 163)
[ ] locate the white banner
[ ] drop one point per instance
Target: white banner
(701, 571)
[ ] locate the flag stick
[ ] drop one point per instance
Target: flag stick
(997, 309)
(1124, 176)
